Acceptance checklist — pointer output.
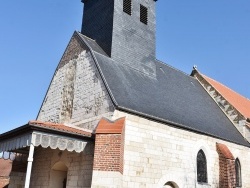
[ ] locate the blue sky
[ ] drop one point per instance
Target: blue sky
(212, 34)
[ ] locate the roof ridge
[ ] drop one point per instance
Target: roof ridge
(170, 66)
(78, 32)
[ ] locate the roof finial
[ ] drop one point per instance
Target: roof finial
(195, 67)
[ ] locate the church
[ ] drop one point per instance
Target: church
(116, 117)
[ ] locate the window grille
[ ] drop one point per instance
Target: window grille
(201, 167)
(127, 6)
(143, 14)
(238, 173)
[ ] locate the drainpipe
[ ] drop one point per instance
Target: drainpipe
(29, 167)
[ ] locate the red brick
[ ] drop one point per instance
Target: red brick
(109, 146)
(227, 167)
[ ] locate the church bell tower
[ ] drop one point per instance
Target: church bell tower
(124, 29)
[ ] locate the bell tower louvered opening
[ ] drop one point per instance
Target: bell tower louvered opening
(127, 7)
(144, 14)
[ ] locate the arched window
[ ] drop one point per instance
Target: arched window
(201, 167)
(170, 184)
(238, 173)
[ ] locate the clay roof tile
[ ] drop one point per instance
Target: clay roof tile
(224, 151)
(60, 127)
(239, 102)
(110, 127)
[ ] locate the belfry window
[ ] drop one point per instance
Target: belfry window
(238, 173)
(143, 14)
(201, 167)
(127, 6)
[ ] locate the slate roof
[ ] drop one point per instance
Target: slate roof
(170, 97)
(241, 103)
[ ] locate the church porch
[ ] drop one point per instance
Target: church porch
(48, 155)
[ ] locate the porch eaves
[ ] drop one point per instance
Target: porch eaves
(47, 127)
(46, 135)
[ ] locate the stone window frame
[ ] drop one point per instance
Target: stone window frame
(238, 176)
(201, 167)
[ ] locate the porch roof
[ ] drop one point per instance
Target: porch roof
(46, 135)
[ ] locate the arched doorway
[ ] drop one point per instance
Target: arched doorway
(170, 184)
(58, 175)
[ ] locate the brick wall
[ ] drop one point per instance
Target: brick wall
(107, 152)
(227, 167)
(109, 146)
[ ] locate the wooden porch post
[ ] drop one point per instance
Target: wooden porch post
(29, 167)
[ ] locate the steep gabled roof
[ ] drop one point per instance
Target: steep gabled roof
(241, 103)
(169, 96)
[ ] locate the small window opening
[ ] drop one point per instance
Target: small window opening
(201, 167)
(238, 173)
(127, 6)
(144, 14)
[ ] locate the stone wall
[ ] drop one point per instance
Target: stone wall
(17, 180)
(79, 167)
(77, 95)
(156, 153)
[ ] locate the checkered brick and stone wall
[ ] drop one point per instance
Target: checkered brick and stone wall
(77, 95)
(155, 154)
